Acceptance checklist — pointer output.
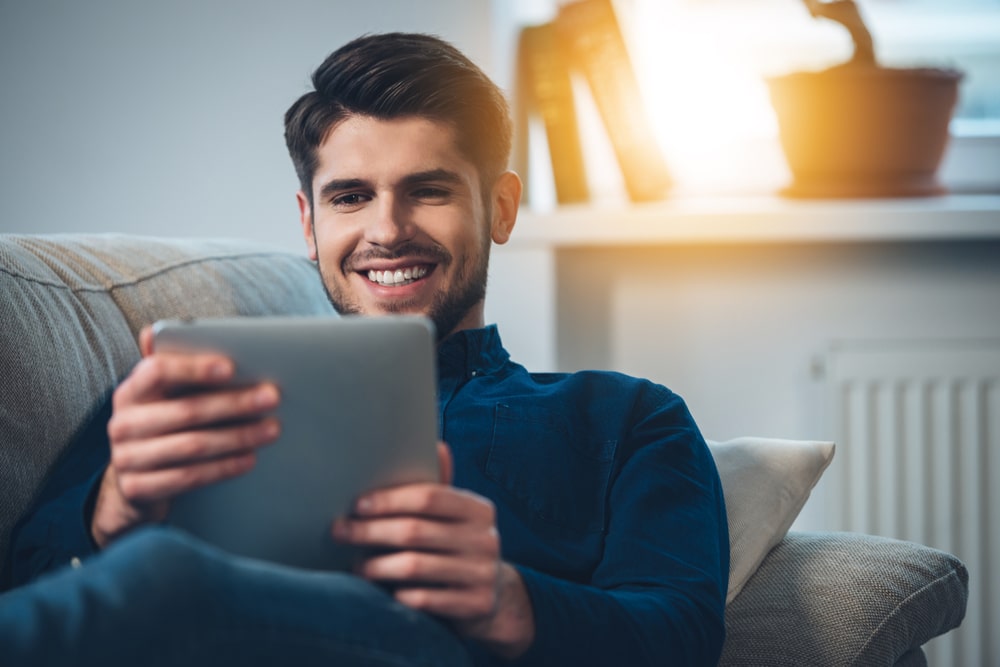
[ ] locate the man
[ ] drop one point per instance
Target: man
(585, 522)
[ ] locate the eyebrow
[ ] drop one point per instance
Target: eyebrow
(430, 176)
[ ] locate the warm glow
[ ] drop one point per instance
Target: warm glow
(702, 114)
(703, 64)
(704, 87)
(702, 67)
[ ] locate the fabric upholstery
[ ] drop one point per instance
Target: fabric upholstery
(766, 482)
(844, 599)
(71, 307)
(913, 658)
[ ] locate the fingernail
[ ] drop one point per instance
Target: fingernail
(340, 528)
(266, 397)
(363, 506)
(219, 370)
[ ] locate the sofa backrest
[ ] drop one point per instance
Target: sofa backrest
(71, 308)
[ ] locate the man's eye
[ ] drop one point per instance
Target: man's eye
(431, 193)
(351, 199)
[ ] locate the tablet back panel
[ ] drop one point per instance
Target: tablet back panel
(358, 411)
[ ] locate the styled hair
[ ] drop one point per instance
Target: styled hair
(395, 75)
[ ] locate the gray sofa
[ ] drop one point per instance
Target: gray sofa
(70, 310)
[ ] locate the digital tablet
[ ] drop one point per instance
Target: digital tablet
(358, 411)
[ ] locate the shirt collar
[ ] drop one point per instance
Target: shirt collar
(471, 352)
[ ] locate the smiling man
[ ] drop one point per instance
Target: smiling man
(579, 520)
(400, 221)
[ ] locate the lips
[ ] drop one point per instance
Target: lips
(400, 266)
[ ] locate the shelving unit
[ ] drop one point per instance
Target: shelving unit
(761, 220)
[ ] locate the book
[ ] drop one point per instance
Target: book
(592, 38)
(548, 93)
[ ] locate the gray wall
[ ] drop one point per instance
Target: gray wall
(165, 118)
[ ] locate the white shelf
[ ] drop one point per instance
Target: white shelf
(762, 220)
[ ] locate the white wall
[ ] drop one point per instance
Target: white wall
(165, 118)
(742, 332)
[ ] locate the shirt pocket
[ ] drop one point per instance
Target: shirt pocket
(558, 474)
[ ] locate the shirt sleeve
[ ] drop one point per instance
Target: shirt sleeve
(56, 529)
(659, 591)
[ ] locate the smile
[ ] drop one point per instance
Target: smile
(398, 276)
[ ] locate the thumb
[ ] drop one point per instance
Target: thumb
(444, 463)
(146, 341)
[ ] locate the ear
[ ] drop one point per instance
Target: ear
(506, 199)
(305, 217)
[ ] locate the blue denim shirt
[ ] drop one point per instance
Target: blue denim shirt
(607, 500)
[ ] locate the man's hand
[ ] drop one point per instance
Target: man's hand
(175, 427)
(439, 549)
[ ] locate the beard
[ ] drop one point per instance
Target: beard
(447, 309)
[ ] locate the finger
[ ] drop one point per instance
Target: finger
(190, 447)
(430, 500)
(445, 463)
(454, 603)
(159, 485)
(160, 375)
(146, 341)
(146, 420)
(415, 568)
(407, 533)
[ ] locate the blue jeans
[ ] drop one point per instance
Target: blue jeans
(158, 597)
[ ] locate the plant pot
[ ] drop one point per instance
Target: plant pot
(860, 131)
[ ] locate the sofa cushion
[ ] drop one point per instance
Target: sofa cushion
(844, 599)
(765, 481)
(72, 306)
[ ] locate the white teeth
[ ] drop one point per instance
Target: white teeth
(397, 277)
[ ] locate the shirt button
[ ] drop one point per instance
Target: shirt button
(75, 563)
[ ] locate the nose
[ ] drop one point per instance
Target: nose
(391, 224)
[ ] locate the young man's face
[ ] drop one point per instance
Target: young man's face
(399, 223)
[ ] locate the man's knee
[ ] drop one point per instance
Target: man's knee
(165, 559)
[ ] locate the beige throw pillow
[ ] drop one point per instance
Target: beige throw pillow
(766, 482)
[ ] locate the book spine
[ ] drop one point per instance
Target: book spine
(592, 35)
(549, 93)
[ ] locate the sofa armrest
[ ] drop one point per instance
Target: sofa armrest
(844, 599)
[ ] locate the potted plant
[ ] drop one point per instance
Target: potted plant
(859, 129)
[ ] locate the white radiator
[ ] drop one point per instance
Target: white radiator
(917, 426)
